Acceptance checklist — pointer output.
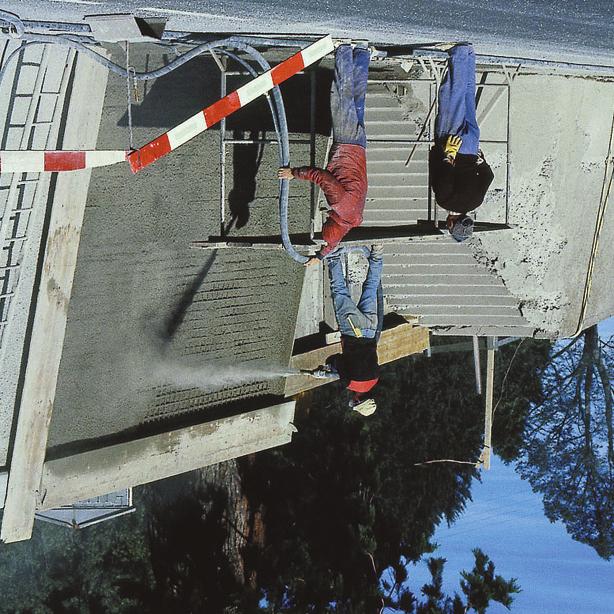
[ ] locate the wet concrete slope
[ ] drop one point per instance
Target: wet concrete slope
(153, 326)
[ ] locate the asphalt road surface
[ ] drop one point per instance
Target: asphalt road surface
(565, 30)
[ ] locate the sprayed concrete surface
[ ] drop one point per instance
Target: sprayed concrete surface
(560, 130)
(156, 330)
(159, 332)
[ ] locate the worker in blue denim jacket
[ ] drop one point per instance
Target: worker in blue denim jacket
(360, 325)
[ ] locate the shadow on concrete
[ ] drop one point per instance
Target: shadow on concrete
(296, 95)
(171, 99)
(254, 122)
(246, 160)
(180, 308)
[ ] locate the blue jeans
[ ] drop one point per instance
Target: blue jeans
(456, 112)
(355, 320)
(348, 93)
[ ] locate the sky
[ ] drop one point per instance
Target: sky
(506, 520)
(606, 328)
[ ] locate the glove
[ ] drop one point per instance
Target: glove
(453, 144)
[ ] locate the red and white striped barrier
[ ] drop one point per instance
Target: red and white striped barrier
(54, 161)
(224, 107)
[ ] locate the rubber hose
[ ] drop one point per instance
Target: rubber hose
(281, 129)
(235, 42)
(13, 20)
(254, 74)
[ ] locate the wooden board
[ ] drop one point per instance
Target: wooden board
(91, 474)
(396, 342)
(52, 299)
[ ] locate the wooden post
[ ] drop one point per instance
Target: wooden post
(476, 364)
(490, 382)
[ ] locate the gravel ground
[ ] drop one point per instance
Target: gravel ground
(573, 30)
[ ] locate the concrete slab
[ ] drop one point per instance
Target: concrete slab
(26, 205)
(560, 129)
(600, 304)
(113, 468)
(154, 326)
(311, 311)
(49, 320)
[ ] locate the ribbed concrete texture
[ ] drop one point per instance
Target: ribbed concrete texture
(440, 281)
(398, 193)
(154, 327)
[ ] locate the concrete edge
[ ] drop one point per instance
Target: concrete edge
(97, 472)
(49, 323)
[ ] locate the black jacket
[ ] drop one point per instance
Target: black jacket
(462, 187)
(357, 362)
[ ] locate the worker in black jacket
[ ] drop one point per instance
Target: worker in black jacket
(459, 173)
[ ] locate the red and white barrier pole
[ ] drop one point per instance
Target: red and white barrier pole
(55, 161)
(224, 107)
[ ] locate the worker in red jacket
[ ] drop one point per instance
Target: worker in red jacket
(344, 182)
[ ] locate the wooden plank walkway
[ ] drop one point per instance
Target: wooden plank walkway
(399, 340)
(97, 472)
